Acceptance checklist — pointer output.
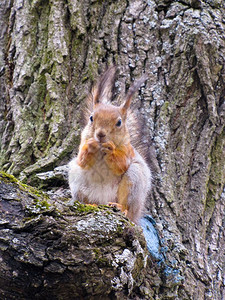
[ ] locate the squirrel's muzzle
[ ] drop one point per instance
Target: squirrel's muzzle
(101, 136)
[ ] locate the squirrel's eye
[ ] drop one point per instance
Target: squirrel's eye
(91, 118)
(118, 124)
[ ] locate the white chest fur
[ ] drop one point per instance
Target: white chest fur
(98, 184)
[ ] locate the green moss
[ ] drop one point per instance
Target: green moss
(131, 223)
(108, 212)
(85, 208)
(42, 204)
(37, 207)
(103, 261)
(7, 177)
(40, 201)
(166, 109)
(97, 253)
(119, 230)
(92, 70)
(217, 173)
(29, 219)
(210, 201)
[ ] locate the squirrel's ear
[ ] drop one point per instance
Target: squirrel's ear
(102, 91)
(132, 90)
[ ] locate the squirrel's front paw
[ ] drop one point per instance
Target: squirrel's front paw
(108, 147)
(93, 145)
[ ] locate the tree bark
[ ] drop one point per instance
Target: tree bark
(51, 251)
(51, 51)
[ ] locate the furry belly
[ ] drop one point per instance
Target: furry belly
(92, 186)
(99, 193)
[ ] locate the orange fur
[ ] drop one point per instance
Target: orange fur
(113, 172)
(87, 154)
(123, 192)
(118, 158)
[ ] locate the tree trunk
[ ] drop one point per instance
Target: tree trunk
(51, 51)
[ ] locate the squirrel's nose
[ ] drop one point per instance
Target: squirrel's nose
(101, 135)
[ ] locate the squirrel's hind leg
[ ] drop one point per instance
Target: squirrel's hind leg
(132, 209)
(130, 202)
(123, 192)
(133, 189)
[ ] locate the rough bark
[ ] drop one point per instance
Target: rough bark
(51, 251)
(50, 53)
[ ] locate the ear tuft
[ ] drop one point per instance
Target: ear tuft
(102, 91)
(132, 90)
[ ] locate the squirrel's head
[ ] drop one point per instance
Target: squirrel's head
(106, 121)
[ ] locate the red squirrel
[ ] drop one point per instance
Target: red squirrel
(108, 169)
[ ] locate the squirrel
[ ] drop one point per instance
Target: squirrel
(108, 168)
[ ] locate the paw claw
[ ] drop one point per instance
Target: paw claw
(108, 147)
(119, 206)
(94, 205)
(93, 145)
